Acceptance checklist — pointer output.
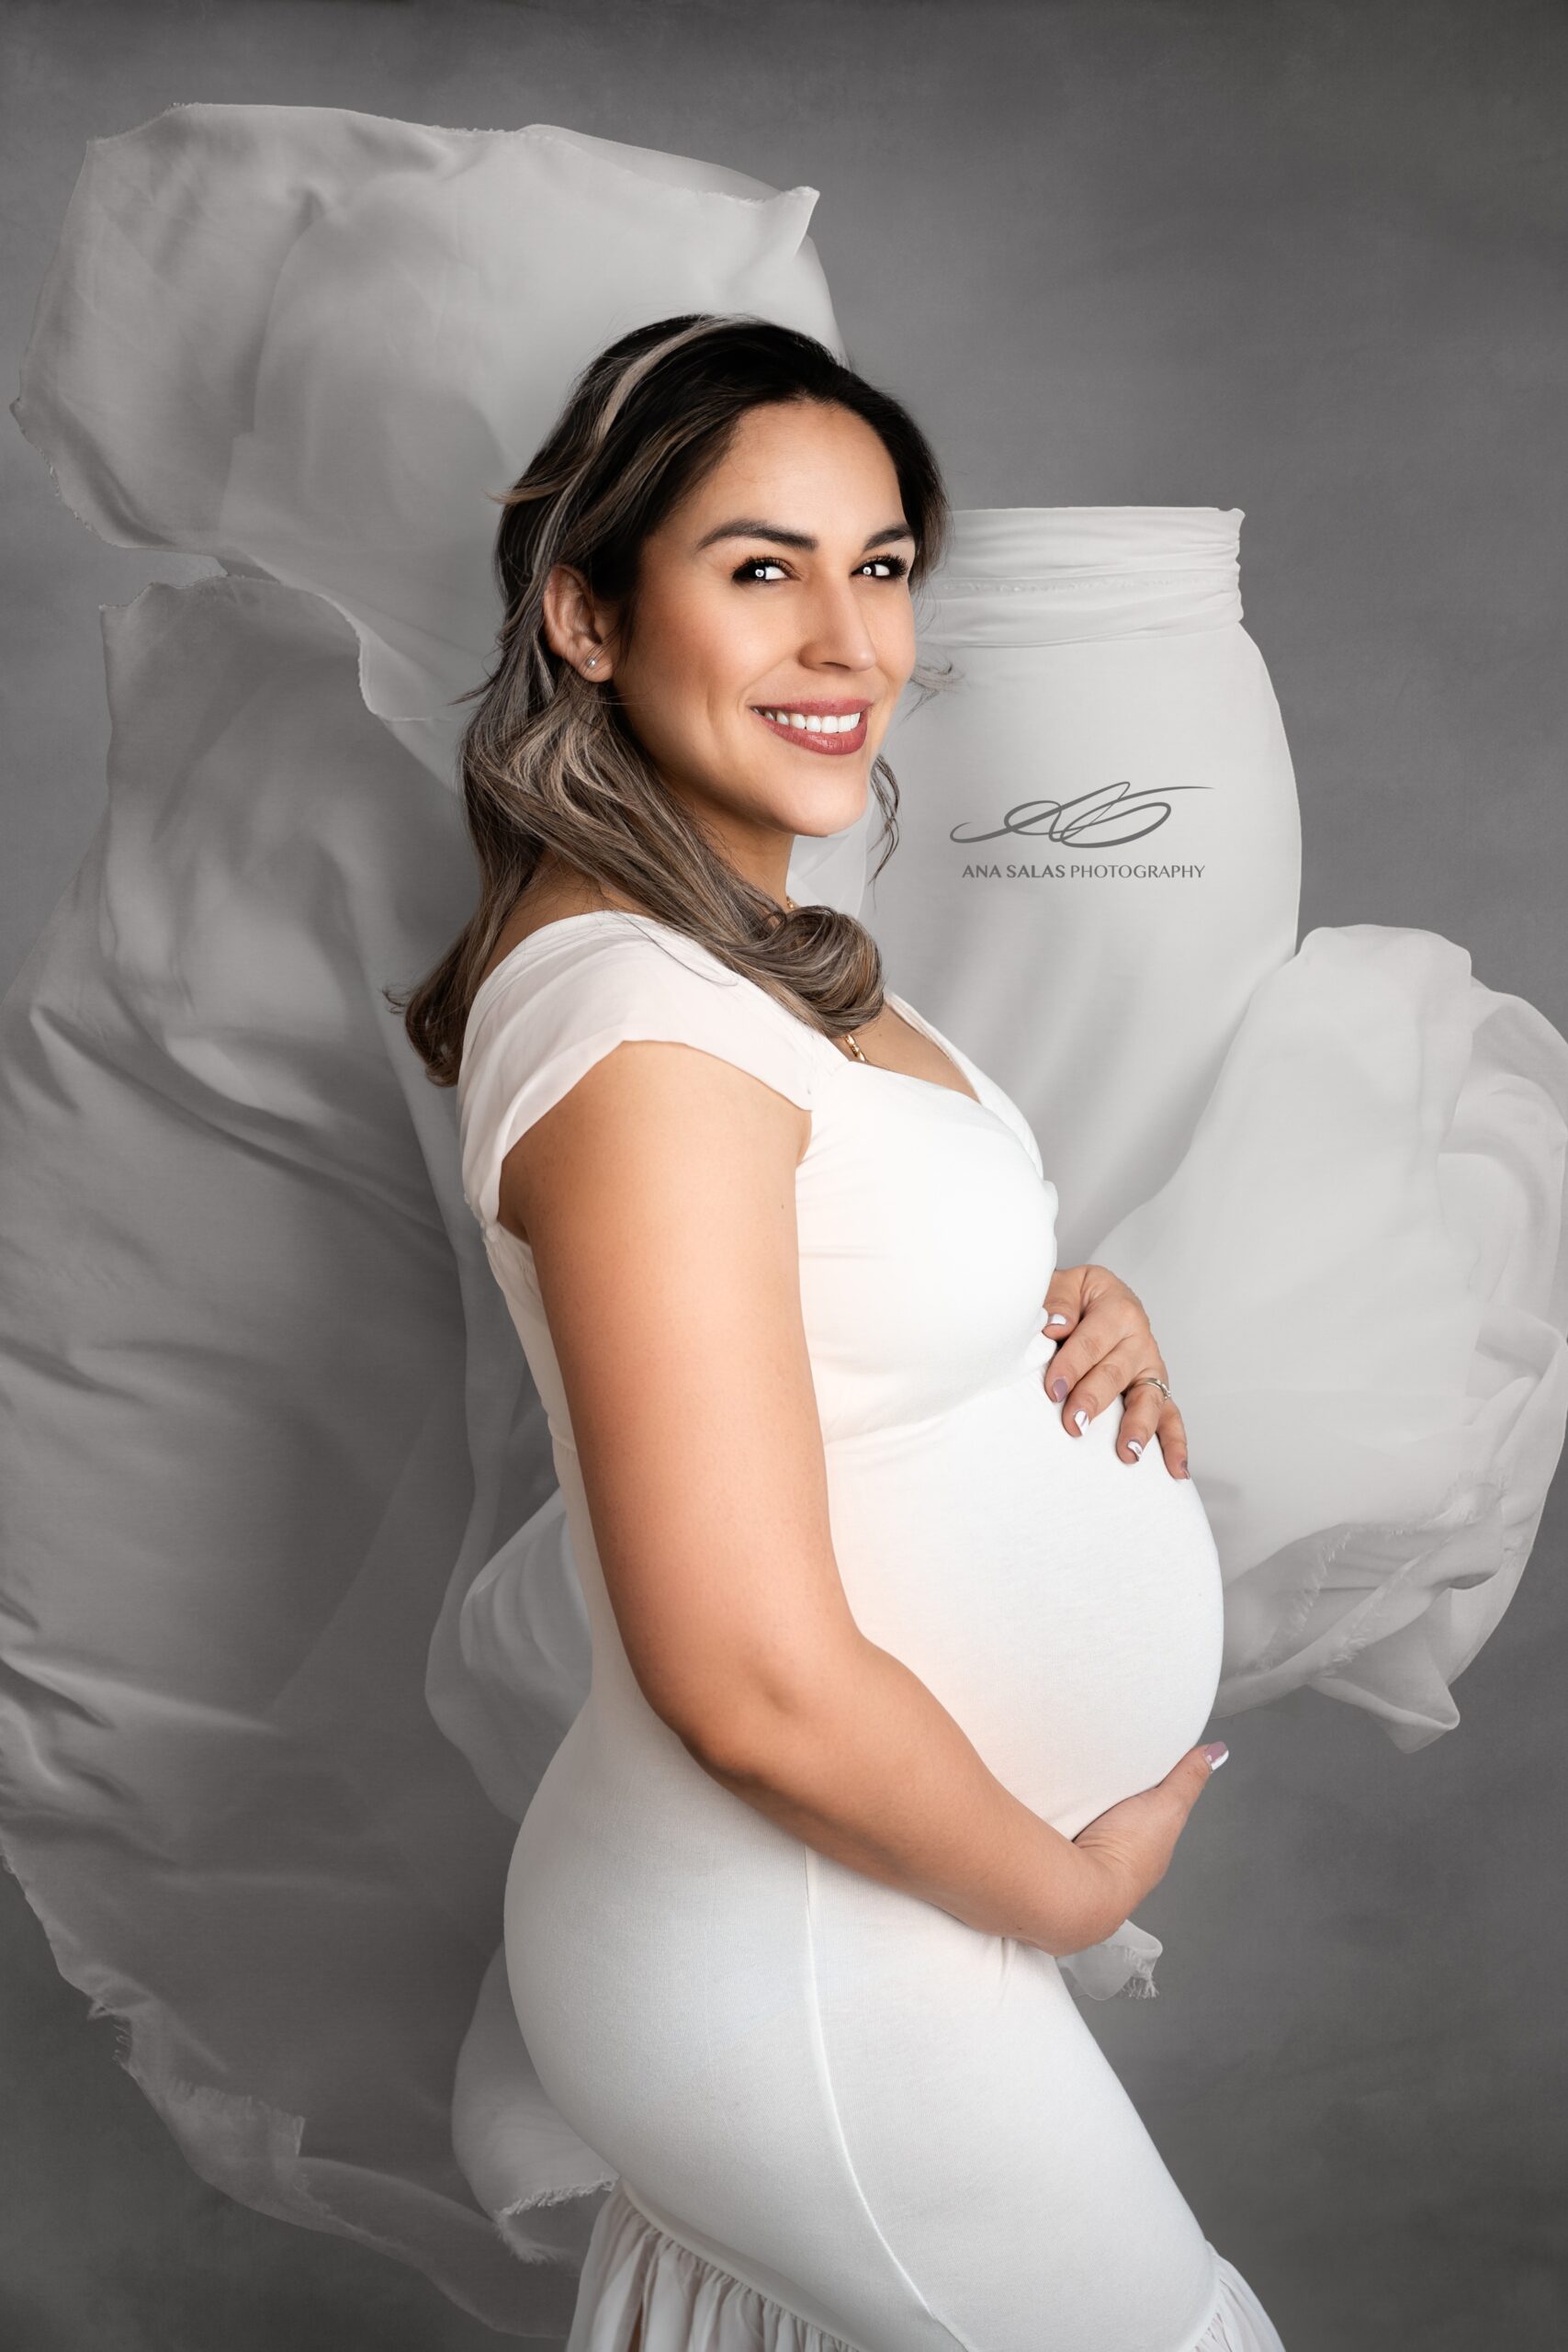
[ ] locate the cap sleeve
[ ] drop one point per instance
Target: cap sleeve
(537, 1027)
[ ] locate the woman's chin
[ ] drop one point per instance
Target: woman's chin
(835, 804)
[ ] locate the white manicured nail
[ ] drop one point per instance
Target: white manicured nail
(1055, 1318)
(1135, 1445)
(1082, 1417)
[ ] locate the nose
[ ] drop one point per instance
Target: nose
(838, 637)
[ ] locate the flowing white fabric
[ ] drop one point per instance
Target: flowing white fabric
(266, 1401)
(364, 328)
(291, 1625)
(1100, 849)
(1336, 1176)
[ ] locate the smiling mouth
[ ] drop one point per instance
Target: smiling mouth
(829, 746)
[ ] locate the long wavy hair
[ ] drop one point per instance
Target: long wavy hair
(549, 761)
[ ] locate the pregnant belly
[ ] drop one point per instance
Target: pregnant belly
(1064, 1605)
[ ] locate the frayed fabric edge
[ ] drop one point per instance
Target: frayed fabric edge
(252, 2151)
(1122, 1963)
(1238, 2322)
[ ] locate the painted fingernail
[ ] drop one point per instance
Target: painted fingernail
(1057, 1388)
(1055, 1318)
(1216, 1751)
(1082, 1417)
(1135, 1445)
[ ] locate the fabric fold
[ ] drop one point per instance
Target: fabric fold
(259, 1399)
(1100, 843)
(1359, 1274)
(266, 1406)
(364, 329)
(637, 2272)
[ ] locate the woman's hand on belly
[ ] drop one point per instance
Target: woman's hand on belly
(1105, 1342)
(1131, 1842)
(866, 1765)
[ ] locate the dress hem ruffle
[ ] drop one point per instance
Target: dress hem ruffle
(636, 2269)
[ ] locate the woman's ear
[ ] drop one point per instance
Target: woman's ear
(571, 623)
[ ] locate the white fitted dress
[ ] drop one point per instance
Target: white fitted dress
(838, 2114)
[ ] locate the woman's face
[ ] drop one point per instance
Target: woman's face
(779, 586)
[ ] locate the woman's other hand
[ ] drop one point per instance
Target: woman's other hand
(1130, 1843)
(1104, 1342)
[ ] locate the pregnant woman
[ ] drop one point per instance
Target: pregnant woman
(895, 1678)
(292, 1620)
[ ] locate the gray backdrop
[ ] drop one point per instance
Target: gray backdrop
(1306, 259)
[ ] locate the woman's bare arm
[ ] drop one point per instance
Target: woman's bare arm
(658, 1200)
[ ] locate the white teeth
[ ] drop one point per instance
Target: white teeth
(815, 726)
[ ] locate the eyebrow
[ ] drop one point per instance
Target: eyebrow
(749, 530)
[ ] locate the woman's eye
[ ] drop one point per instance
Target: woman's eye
(893, 567)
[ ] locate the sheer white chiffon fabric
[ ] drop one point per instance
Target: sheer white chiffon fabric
(291, 1627)
(1334, 1175)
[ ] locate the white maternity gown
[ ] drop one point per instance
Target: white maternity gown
(839, 2114)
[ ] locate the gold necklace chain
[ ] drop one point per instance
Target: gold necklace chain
(850, 1040)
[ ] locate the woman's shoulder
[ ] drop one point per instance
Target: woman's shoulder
(571, 988)
(595, 962)
(556, 907)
